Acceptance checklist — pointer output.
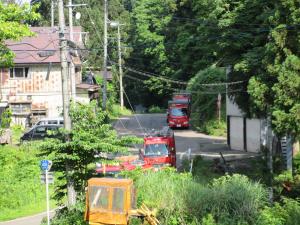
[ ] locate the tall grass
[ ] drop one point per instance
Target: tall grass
(163, 190)
(181, 200)
(229, 199)
(21, 192)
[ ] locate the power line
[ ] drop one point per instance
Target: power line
(27, 43)
(152, 75)
(196, 92)
(182, 82)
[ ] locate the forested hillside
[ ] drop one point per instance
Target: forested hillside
(259, 39)
(166, 43)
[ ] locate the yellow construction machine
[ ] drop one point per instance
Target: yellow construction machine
(111, 201)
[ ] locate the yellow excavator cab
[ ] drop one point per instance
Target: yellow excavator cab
(109, 201)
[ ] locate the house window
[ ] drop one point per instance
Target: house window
(20, 108)
(19, 72)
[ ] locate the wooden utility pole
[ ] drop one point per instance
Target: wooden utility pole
(120, 68)
(65, 94)
(52, 13)
(219, 107)
(72, 67)
(105, 57)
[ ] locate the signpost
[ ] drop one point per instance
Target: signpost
(46, 166)
(50, 178)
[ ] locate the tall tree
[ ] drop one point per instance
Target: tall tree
(260, 39)
(13, 27)
(149, 22)
(91, 139)
(277, 90)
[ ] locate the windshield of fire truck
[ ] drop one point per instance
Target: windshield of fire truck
(156, 150)
(178, 112)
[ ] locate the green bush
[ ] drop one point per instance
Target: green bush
(287, 213)
(229, 199)
(65, 216)
(156, 109)
(114, 110)
(17, 131)
(204, 105)
(5, 118)
(215, 128)
(20, 189)
(208, 220)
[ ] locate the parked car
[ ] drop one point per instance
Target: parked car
(39, 132)
(53, 121)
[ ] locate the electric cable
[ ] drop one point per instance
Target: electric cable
(181, 82)
(196, 92)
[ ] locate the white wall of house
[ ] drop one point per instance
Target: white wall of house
(42, 89)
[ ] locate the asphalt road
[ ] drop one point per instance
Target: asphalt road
(208, 147)
(28, 220)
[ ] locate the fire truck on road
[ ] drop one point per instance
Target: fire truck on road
(159, 148)
(179, 110)
(158, 151)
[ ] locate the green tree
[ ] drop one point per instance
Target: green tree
(150, 19)
(90, 136)
(280, 84)
(13, 27)
(260, 40)
(204, 98)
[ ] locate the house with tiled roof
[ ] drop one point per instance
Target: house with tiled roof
(33, 87)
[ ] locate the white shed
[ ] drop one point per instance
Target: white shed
(244, 133)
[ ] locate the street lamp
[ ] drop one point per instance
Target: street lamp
(117, 24)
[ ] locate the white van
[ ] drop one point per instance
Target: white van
(51, 121)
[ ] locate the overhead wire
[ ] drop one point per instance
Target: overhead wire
(38, 48)
(196, 92)
(147, 74)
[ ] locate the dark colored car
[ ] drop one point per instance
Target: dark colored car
(40, 132)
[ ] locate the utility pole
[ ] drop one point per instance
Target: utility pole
(228, 70)
(105, 57)
(120, 68)
(65, 94)
(117, 24)
(269, 137)
(52, 13)
(71, 33)
(72, 67)
(219, 107)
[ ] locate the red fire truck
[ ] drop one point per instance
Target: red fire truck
(122, 165)
(158, 151)
(179, 109)
(159, 148)
(182, 95)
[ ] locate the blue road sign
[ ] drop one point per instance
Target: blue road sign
(44, 164)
